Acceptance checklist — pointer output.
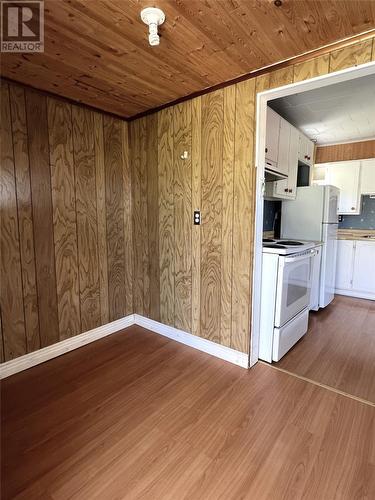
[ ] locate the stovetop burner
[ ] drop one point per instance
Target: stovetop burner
(275, 245)
(293, 243)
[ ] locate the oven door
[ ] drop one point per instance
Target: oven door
(293, 286)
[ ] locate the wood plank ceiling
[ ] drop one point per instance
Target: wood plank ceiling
(97, 53)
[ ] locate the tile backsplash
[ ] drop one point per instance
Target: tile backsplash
(366, 219)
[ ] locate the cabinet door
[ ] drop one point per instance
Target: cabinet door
(346, 176)
(310, 146)
(344, 264)
(364, 267)
(272, 136)
(293, 163)
(368, 176)
(284, 141)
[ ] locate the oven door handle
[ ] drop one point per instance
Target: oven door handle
(307, 255)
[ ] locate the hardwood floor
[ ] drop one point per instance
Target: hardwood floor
(136, 415)
(339, 348)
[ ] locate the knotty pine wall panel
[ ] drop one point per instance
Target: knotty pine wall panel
(221, 146)
(66, 220)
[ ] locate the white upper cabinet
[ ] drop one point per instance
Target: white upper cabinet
(346, 176)
(288, 163)
(368, 176)
(272, 138)
(305, 150)
(283, 150)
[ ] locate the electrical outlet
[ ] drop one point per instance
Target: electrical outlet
(197, 218)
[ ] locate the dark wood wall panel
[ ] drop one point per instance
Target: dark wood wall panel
(101, 211)
(342, 152)
(87, 228)
(115, 216)
(153, 216)
(11, 279)
(65, 201)
(25, 217)
(64, 217)
(37, 130)
(128, 219)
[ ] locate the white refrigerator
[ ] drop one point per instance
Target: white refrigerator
(312, 216)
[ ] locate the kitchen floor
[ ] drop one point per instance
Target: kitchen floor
(136, 415)
(339, 348)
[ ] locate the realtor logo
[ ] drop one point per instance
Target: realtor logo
(22, 26)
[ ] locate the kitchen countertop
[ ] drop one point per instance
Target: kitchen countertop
(356, 234)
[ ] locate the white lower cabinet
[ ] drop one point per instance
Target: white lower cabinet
(355, 271)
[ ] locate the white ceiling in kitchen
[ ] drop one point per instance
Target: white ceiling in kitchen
(344, 112)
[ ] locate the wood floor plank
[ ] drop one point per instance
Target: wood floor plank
(25, 216)
(64, 217)
(11, 278)
(339, 348)
(87, 228)
(151, 418)
(40, 174)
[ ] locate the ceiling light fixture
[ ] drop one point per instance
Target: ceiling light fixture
(153, 17)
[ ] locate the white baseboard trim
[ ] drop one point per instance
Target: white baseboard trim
(46, 353)
(353, 293)
(204, 345)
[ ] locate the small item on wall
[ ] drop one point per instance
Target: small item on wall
(197, 218)
(153, 17)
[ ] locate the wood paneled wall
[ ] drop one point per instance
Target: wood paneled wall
(343, 152)
(198, 278)
(91, 232)
(66, 220)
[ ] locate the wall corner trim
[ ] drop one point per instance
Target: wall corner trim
(204, 345)
(46, 353)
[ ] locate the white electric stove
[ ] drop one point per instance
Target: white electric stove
(286, 285)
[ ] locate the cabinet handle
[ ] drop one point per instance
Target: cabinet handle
(266, 150)
(290, 190)
(353, 208)
(286, 190)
